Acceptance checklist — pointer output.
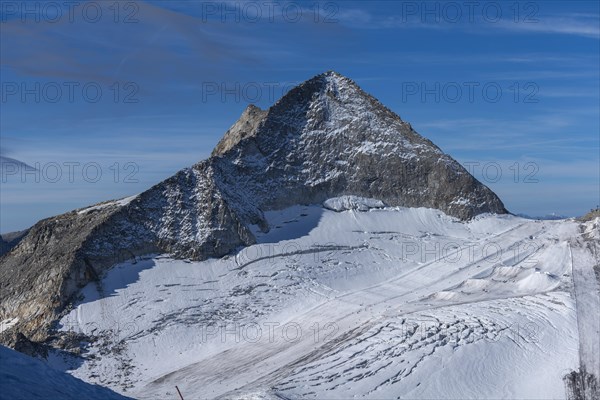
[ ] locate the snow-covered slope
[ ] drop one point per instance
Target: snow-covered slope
(369, 304)
(26, 378)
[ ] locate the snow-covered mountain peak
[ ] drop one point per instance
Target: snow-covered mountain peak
(324, 211)
(334, 110)
(336, 83)
(326, 138)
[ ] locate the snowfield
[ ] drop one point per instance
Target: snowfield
(26, 378)
(380, 303)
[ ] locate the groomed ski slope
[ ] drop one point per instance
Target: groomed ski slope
(375, 304)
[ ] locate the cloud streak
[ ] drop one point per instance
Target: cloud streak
(583, 25)
(468, 20)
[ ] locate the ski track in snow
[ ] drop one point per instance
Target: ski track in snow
(375, 304)
(587, 294)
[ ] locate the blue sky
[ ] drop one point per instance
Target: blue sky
(147, 88)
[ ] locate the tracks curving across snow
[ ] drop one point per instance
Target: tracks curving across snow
(346, 299)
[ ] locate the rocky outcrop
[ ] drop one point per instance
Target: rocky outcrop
(10, 240)
(325, 138)
(581, 385)
(245, 127)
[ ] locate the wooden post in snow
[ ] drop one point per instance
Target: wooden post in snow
(180, 396)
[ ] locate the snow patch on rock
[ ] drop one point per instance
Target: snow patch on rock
(118, 203)
(592, 228)
(344, 203)
(8, 323)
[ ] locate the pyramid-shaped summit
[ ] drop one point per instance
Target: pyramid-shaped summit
(325, 138)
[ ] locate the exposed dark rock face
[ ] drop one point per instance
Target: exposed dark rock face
(581, 385)
(325, 138)
(17, 341)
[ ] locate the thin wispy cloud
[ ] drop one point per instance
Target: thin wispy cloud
(584, 25)
(105, 51)
(547, 134)
(418, 16)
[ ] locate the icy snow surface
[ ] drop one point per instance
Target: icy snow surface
(344, 203)
(26, 378)
(118, 203)
(369, 304)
